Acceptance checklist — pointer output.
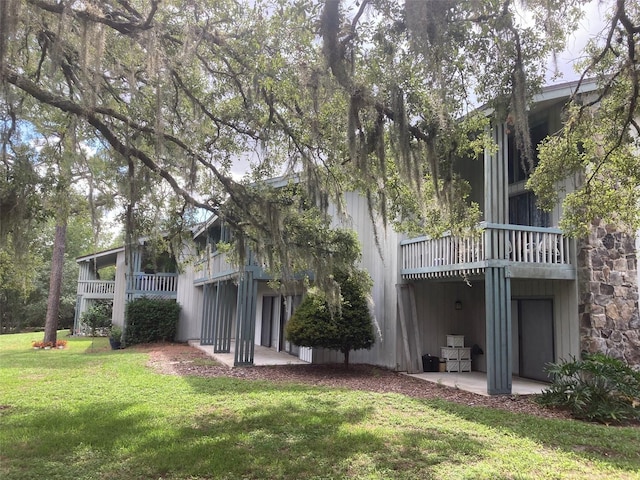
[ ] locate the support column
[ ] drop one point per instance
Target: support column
(225, 297)
(246, 319)
(208, 314)
(496, 181)
(498, 321)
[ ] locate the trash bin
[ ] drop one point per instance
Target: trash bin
(430, 363)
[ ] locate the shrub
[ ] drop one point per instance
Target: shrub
(596, 388)
(115, 333)
(151, 320)
(97, 317)
(350, 328)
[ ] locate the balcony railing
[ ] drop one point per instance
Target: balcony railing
(448, 255)
(155, 282)
(96, 287)
(215, 265)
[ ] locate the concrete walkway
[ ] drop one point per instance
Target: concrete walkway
(261, 355)
(476, 382)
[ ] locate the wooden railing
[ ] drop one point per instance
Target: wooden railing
(213, 266)
(217, 266)
(154, 282)
(96, 287)
(536, 245)
(513, 243)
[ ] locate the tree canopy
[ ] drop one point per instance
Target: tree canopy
(375, 95)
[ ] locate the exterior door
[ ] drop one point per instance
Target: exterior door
(536, 342)
(267, 321)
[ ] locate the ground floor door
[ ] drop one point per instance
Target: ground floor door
(268, 316)
(535, 337)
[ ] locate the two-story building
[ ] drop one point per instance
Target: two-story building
(146, 278)
(520, 293)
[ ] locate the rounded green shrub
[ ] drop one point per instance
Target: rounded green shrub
(151, 320)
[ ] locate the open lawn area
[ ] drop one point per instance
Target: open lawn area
(87, 412)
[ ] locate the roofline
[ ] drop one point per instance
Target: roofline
(274, 182)
(102, 253)
(550, 92)
(566, 89)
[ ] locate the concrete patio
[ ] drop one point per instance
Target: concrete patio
(262, 356)
(475, 382)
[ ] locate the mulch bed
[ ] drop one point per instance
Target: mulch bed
(184, 360)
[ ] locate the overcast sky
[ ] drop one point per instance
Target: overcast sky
(591, 25)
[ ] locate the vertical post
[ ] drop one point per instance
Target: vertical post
(223, 315)
(498, 322)
(209, 318)
(246, 319)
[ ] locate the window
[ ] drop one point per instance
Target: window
(516, 171)
(524, 211)
(218, 233)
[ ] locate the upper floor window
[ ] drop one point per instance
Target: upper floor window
(517, 165)
(524, 211)
(218, 233)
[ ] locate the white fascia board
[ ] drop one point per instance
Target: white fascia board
(96, 255)
(562, 90)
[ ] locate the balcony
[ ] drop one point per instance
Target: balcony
(154, 285)
(528, 252)
(217, 266)
(97, 288)
(213, 266)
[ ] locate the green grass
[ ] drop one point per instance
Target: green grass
(87, 412)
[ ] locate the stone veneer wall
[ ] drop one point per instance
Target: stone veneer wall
(608, 294)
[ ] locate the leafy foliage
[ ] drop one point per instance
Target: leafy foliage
(596, 388)
(349, 95)
(151, 320)
(600, 141)
(115, 333)
(98, 316)
(316, 324)
(375, 96)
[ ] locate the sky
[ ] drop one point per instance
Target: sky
(591, 25)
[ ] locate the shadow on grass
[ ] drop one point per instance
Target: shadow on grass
(587, 440)
(280, 432)
(308, 437)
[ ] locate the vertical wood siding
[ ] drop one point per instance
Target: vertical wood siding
(384, 272)
(190, 300)
(119, 298)
(437, 316)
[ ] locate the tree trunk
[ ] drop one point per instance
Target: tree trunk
(346, 358)
(55, 281)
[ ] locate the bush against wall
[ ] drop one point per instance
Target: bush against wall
(596, 388)
(151, 320)
(98, 316)
(348, 328)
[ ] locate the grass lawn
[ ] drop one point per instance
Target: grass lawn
(87, 412)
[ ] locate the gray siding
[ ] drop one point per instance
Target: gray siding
(565, 312)
(438, 317)
(382, 265)
(190, 299)
(119, 297)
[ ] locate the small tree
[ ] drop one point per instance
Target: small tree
(346, 328)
